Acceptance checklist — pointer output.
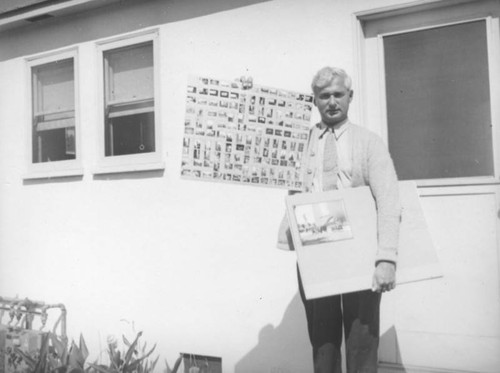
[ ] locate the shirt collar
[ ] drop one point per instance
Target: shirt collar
(339, 130)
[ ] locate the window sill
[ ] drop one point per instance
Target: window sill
(460, 181)
(52, 174)
(128, 168)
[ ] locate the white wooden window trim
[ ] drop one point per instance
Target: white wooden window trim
(130, 162)
(62, 168)
(493, 45)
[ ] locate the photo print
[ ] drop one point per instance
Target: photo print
(322, 222)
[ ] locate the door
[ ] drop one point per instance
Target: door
(430, 95)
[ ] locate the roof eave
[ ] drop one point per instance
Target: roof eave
(21, 18)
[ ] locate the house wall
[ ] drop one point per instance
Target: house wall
(192, 264)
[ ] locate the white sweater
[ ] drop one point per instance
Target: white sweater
(371, 165)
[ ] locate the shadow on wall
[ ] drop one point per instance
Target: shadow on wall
(389, 354)
(113, 19)
(281, 349)
(286, 348)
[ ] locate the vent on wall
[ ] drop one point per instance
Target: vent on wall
(41, 17)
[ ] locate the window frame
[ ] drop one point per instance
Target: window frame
(372, 97)
(60, 168)
(129, 162)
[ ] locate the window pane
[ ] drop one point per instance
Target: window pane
(438, 102)
(130, 73)
(129, 94)
(53, 112)
(130, 134)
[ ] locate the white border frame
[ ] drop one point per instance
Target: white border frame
(348, 265)
(493, 45)
(345, 265)
(64, 168)
(132, 162)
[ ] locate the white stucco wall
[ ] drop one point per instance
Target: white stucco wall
(192, 264)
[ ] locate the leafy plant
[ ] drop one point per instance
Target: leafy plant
(54, 356)
(132, 361)
(176, 365)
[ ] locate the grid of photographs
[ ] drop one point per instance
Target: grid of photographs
(253, 136)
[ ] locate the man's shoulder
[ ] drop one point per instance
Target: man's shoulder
(362, 132)
(316, 127)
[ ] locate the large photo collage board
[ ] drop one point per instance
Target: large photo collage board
(254, 136)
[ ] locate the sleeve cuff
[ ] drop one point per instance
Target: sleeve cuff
(386, 255)
(283, 246)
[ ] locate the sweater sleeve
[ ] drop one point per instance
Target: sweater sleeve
(385, 189)
(285, 241)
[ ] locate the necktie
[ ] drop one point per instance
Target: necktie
(330, 162)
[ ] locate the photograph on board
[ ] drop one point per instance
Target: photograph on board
(323, 222)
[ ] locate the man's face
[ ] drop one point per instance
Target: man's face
(333, 102)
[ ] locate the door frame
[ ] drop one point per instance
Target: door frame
(369, 28)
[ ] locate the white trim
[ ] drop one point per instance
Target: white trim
(61, 167)
(50, 174)
(359, 74)
(398, 368)
(459, 190)
(121, 113)
(128, 39)
(139, 161)
(458, 181)
(493, 45)
(125, 168)
(51, 56)
(497, 195)
(138, 100)
(384, 130)
(406, 8)
(56, 124)
(435, 26)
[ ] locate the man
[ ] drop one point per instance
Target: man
(341, 154)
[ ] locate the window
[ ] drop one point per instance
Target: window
(438, 102)
(429, 80)
(53, 121)
(130, 133)
(129, 95)
(53, 109)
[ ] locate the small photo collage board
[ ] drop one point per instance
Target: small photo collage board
(253, 136)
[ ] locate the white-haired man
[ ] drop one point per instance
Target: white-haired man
(359, 158)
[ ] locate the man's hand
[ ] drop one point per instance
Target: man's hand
(384, 278)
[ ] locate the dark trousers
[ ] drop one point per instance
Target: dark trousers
(355, 314)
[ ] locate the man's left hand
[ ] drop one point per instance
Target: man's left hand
(384, 278)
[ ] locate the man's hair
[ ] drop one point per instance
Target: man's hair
(325, 76)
